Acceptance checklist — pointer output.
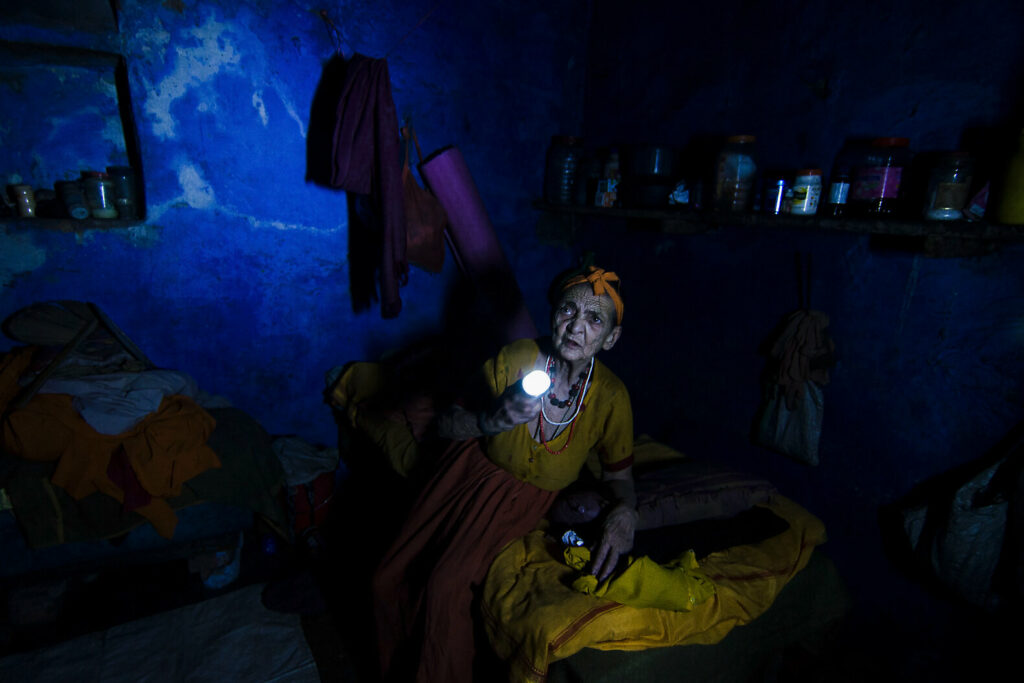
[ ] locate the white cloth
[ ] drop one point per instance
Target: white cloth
(114, 403)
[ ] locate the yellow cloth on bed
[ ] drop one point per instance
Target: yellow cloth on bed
(533, 616)
(677, 585)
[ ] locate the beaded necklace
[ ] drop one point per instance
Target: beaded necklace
(571, 421)
(573, 390)
(586, 385)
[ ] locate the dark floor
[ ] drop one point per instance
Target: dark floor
(943, 642)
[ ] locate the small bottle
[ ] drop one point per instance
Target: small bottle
(838, 194)
(774, 197)
(806, 192)
(99, 194)
(735, 173)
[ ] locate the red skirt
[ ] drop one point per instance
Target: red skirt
(423, 588)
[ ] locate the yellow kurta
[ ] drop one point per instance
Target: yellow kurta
(604, 424)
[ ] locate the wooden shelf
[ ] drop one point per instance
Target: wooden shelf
(937, 237)
(68, 224)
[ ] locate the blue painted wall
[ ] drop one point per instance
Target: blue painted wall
(240, 273)
(931, 351)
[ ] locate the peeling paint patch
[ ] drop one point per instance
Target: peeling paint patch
(19, 256)
(197, 192)
(193, 67)
(282, 93)
(257, 102)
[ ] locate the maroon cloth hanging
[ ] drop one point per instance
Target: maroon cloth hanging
(367, 160)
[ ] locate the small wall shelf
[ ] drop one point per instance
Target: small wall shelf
(935, 238)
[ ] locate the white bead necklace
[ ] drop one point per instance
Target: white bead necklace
(579, 402)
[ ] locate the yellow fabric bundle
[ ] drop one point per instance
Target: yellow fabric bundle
(534, 617)
(678, 585)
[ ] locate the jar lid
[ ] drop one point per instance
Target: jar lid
(94, 174)
(809, 171)
(740, 138)
(890, 142)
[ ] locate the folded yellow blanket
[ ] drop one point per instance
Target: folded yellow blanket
(533, 616)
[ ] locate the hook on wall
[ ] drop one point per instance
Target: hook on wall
(335, 34)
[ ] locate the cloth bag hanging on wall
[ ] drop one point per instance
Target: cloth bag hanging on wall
(425, 218)
(790, 418)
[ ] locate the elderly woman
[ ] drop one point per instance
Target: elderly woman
(510, 457)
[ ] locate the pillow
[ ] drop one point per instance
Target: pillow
(683, 491)
(669, 492)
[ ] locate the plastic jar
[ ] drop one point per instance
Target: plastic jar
(948, 185)
(806, 192)
(99, 194)
(735, 173)
(561, 169)
(876, 183)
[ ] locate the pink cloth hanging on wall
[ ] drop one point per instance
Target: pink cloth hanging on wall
(474, 243)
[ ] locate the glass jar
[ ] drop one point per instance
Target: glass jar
(71, 195)
(123, 180)
(561, 169)
(806, 192)
(24, 200)
(948, 185)
(99, 194)
(735, 174)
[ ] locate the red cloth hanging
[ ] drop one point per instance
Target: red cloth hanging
(367, 160)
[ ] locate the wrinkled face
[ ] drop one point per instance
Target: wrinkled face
(583, 323)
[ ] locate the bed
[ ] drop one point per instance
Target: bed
(89, 478)
(775, 590)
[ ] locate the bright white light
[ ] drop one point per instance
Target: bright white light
(536, 383)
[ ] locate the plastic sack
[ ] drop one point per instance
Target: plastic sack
(959, 540)
(792, 431)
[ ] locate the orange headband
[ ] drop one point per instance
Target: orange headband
(600, 280)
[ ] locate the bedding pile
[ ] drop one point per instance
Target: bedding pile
(533, 616)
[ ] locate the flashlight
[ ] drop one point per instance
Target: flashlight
(536, 383)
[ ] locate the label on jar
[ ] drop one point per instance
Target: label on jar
(805, 197)
(877, 182)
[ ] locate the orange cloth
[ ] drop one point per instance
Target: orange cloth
(165, 449)
(601, 280)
